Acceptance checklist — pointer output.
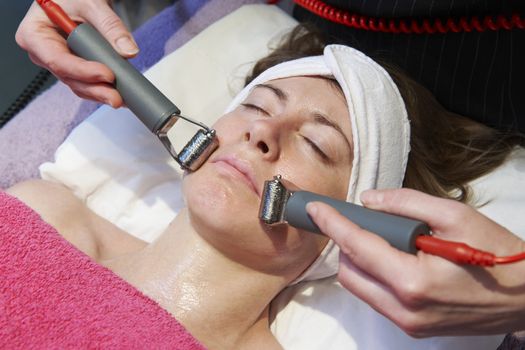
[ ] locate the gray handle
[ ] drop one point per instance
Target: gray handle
(139, 94)
(399, 231)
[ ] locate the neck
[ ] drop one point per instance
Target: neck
(220, 301)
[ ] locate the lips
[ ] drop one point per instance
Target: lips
(238, 168)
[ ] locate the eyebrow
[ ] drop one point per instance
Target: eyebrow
(281, 95)
(317, 116)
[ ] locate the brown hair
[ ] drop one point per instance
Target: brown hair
(447, 150)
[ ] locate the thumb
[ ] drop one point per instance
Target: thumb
(106, 21)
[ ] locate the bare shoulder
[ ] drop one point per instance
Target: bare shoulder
(59, 207)
(52, 201)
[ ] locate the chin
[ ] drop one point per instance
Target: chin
(219, 205)
(225, 214)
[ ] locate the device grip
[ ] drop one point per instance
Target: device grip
(140, 95)
(400, 232)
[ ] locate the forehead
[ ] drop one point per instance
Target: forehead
(322, 91)
(322, 86)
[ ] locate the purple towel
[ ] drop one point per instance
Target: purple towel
(31, 138)
(52, 296)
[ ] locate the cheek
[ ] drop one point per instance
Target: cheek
(229, 126)
(339, 186)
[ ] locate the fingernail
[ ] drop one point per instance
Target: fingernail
(311, 208)
(107, 79)
(127, 46)
(109, 103)
(371, 197)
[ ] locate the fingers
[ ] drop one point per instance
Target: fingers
(436, 212)
(90, 80)
(371, 269)
(48, 49)
(387, 279)
(366, 288)
(104, 93)
(58, 60)
(101, 16)
(365, 250)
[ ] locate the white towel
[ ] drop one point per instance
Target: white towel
(380, 126)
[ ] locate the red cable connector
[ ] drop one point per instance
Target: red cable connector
(57, 15)
(461, 253)
(413, 26)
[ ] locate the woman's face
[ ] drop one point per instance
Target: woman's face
(297, 127)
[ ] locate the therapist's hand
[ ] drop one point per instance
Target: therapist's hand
(47, 47)
(426, 295)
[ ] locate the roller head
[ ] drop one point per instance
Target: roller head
(275, 195)
(197, 150)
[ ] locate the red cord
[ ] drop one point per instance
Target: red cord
(461, 253)
(57, 15)
(411, 26)
(510, 259)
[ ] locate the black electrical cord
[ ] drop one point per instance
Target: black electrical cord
(32, 89)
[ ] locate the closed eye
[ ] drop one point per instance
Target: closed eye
(255, 108)
(316, 149)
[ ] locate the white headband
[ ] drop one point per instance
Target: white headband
(380, 126)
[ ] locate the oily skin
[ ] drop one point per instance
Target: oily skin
(216, 268)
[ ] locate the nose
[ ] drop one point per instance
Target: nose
(264, 134)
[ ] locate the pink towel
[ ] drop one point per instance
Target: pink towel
(54, 296)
